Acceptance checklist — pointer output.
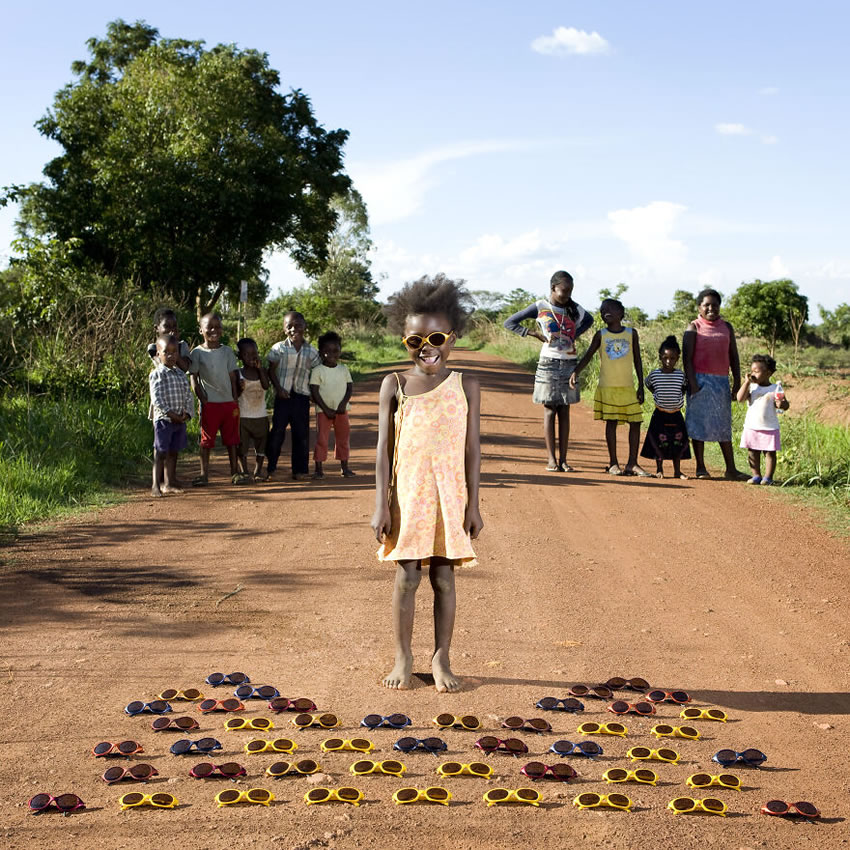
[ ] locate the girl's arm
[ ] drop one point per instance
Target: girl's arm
(638, 364)
(743, 393)
(585, 323)
(343, 405)
(734, 361)
(264, 376)
(689, 342)
(234, 384)
(316, 395)
(513, 323)
(588, 356)
(472, 522)
(387, 403)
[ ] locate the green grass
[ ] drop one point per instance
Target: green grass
(366, 350)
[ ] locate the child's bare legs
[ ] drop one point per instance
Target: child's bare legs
(205, 463)
(549, 436)
(170, 485)
(611, 440)
(158, 473)
(445, 602)
(699, 458)
(231, 456)
(769, 466)
(634, 444)
(563, 436)
(754, 460)
(677, 467)
(258, 465)
(407, 577)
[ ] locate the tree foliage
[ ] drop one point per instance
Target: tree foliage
(835, 324)
(181, 166)
(768, 309)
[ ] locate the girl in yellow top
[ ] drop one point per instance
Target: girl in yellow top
(427, 468)
(616, 399)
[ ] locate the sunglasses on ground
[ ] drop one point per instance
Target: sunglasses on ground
(684, 805)
(261, 692)
(535, 770)
(122, 748)
(396, 721)
(189, 694)
(600, 691)
(620, 706)
(590, 800)
(202, 745)
(346, 794)
(66, 803)
(780, 808)
(665, 730)
(182, 724)
(138, 772)
(233, 724)
(519, 724)
(618, 683)
(603, 729)
(751, 757)
(642, 775)
(450, 721)
(492, 744)
(278, 745)
(416, 341)
(668, 696)
(216, 679)
(589, 749)
(646, 754)
(206, 769)
(284, 768)
(703, 714)
(326, 721)
(358, 745)
(570, 704)
(301, 704)
(157, 706)
(158, 801)
(391, 767)
(430, 745)
(231, 796)
(210, 705)
(707, 780)
(519, 795)
(474, 768)
(434, 794)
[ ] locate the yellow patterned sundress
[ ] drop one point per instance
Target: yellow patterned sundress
(615, 397)
(428, 494)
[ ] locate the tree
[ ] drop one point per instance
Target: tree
(181, 166)
(768, 309)
(835, 324)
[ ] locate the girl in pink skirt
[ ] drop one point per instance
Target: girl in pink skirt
(761, 425)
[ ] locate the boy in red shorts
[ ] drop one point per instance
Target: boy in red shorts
(214, 380)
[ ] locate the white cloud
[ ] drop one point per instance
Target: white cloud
(778, 270)
(768, 91)
(769, 140)
(570, 40)
(732, 130)
(395, 190)
(647, 231)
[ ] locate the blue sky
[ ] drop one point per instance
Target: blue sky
(664, 145)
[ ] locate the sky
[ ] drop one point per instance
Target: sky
(663, 145)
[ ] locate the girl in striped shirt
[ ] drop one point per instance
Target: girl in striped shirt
(667, 437)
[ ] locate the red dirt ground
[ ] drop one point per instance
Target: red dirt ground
(718, 588)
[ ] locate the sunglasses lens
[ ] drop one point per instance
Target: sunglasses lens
(255, 746)
(361, 744)
(497, 794)
(113, 774)
(644, 708)
(590, 748)
(303, 705)
(229, 796)
(513, 722)
(751, 756)
(646, 775)
(539, 725)
(638, 684)
(160, 723)
(572, 704)
(180, 747)
(488, 742)
(470, 721)
(729, 779)
(279, 768)
(307, 766)
(729, 756)
(806, 809)
(616, 774)
(234, 723)
(480, 769)
(618, 800)
(665, 729)
(128, 747)
(436, 793)
(701, 779)
(562, 747)
(190, 693)
(266, 691)
(279, 704)
(689, 731)
(101, 748)
(535, 769)
(657, 696)
(393, 766)
(142, 771)
(135, 707)
(303, 720)
(329, 720)
(640, 752)
(317, 795)
(407, 744)
(407, 794)
(348, 794)
(682, 804)
(207, 705)
(589, 799)
(334, 743)
(398, 720)
(284, 744)
(617, 728)
(547, 703)
(414, 341)
(40, 801)
(669, 755)
(362, 766)
(515, 746)
(579, 690)
(680, 696)
(230, 704)
(713, 804)
(605, 693)
(776, 806)
(444, 720)
(215, 679)
(563, 771)
(168, 693)
(261, 723)
(691, 713)
(243, 691)
(451, 767)
(430, 743)
(158, 706)
(527, 794)
(619, 706)
(202, 770)
(208, 744)
(237, 678)
(258, 795)
(715, 714)
(132, 799)
(616, 682)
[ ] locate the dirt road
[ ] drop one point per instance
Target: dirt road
(717, 588)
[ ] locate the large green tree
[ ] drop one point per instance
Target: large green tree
(770, 309)
(180, 166)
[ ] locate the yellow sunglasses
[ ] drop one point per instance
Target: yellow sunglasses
(618, 774)
(683, 805)
(447, 721)
(455, 768)
(190, 694)
(506, 795)
(279, 745)
(646, 754)
(435, 339)
(390, 767)
(434, 794)
(590, 800)
(258, 723)
(603, 729)
(358, 745)
(706, 780)
(231, 796)
(345, 794)
(665, 730)
(283, 768)
(704, 714)
(326, 721)
(159, 801)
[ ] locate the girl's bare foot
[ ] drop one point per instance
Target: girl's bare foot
(156, 492)
(399, 678)
(444, 680)
(172, 491)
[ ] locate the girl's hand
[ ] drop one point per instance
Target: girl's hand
(282, 393)
(382, 522)
(640, 395)
(472, 522)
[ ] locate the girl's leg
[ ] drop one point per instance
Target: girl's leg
(611, 440)
(634, 445)
(445, 601)
(563, 436)
(158, 473)
(407, 576)
(754, 461)
(171, 474)
(699, 457)
(769, 465)
(205, 463)
(549, 436)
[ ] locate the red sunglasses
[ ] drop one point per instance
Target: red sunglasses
(301, 704)
(122, 748)
(231, 704)
(535, 770)
(636, 683)
(492, 744)
(620, 706)
(66, 803)
(535, 724)
(780, 807)
(601, 691)
(230, 770)
(668, 696)
(139, 772)
(182, 724)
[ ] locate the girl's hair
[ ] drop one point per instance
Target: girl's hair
(669, 344)
(571, 309)
(429, 295)
(712, 292)
(612, 301)
(245, 342)
(161, 313)
(329, 337)
(766, 359)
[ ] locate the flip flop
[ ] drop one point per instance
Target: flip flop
(640, 473)
(553, 468)
(565, 467)
(241, 478)
(349, 473)
(703, 475)
(614, 470)
(200, 481)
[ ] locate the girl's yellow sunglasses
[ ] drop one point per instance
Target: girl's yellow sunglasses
(358, 745)
(703, 714)
(258, 723)
(434, 794)
(390, 767)
(279, 745)
(159, 801)
(505, 795)
(603, 729)
(665, 730)
(706, 780)
(683, 805)
(618, 774)
(646, 754)
(325, 795)
(592, 801)
(231, 796)
(416, 341)
(455, 768)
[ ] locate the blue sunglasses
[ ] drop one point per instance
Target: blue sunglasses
(202, 745)
(396, 721)
(157, 706)
(588, 749)
(430, 745)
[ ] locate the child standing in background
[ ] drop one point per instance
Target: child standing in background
(616, 400)
(761, 425)
(667, 436)
(171, 401)
(290, 364)
(330, 388)
(165, 324)
(559, 321)
(253, 419)
(214, 379)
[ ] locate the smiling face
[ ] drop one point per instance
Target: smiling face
(211, 331)
(330, 352)
(561, 293)
(249, 355)
(709, 308)
(430, 358)
(167, 325)
(294, 327)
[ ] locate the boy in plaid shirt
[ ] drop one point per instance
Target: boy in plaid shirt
(171, 400)
(290, 364)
